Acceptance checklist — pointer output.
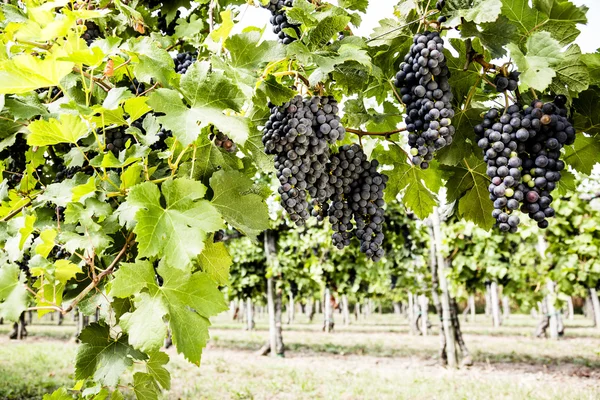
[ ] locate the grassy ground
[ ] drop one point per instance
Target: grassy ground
(367, 360)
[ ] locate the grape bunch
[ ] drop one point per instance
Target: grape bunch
(15, 161)
(501, 138)
(116, 139)
(300, 143)
(367, 205)
(541, 162)
(161, 143)
(136, 87)
(92, 32)
(223, 141)
(504, 83)
(66, 173)
(346, 169)
(280, 21)
(184, 60)
(522, 151)
(424, 89)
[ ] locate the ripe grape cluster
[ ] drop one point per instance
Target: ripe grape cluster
(504, 83)
(424, 89)
(344, 186)
(17, 160)
(116, 139)
(184, 60)
(92, 32)
(280, 21)
(223, 141)
(136, 87)
(66, 173)
(522, 151)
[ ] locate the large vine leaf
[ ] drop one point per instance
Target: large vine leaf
(583, 154)
(468, 184)
(536, 65)
(68, 129)
(493, 35)
(215, 261)
(13, 295)
(102, 357)
(177, 231)
(237, 202)
(572, 75)
(209, 95)
(478, 11)
(587, 118)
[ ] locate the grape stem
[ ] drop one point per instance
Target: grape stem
(294, 73)
(98, 81)
(101, 276)
(362, 133)
(18, 210)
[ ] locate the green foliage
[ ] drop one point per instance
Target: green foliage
(112, 187)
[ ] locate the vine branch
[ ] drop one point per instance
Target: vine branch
(362, 133)
(101, 276)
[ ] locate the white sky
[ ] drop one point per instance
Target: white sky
(589, 40)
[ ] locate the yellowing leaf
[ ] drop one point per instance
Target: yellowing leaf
(47, 237)
(24, 73)
(82, 192)
(69, 129)
(65, 270)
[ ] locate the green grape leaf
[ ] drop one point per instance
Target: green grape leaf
(239, 206)
(131, 278)
(69, 129)
(461, 81)
(102, 357)
(59, 394)
(411, 182)
(276, 92)
(154, 63)
(24, 73)
(464, 141)
(358, 5)
(592, 61)
(562, 10)
(248, 52)
(215, 261)
(145, 325)
(587, 118)
(467, 184)
(191, 299)
(519, 12)
(26, 230)
(64, 270)
(186, 123)
(493, 35)
(144, 387)
(582, 155)
(175, 232)
(478, 11)
(542, 52)
(156, 368)
(12, 293)
(327, 28)
(209, 159)
(46, 242)
(571, 73)
(26, 106)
